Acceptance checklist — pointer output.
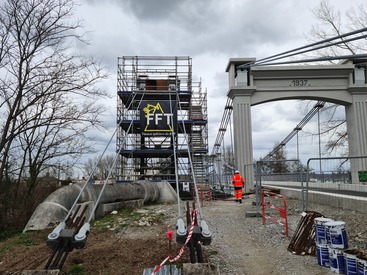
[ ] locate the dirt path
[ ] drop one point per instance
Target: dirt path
(242, 245)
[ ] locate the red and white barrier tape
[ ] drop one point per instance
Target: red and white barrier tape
(187, 240)
(193, 213)
(159, 266)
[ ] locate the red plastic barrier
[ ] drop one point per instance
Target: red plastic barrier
(270, 200)
(204, 193)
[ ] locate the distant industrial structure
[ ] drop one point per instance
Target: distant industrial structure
(162, 121)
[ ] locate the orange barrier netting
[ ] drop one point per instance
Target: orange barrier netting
(269, 201)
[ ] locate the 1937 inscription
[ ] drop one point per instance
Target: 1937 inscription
(300, 83)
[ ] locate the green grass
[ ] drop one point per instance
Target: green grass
(4, 248)
(77, 269)
(8, 234)
(25, 239)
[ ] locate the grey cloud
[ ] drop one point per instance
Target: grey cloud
(193, 27)
(204, 30)
(152, 10)
(181, 12)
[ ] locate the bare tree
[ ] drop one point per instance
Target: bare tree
(228, 160)
(47, 91)
(276, 163)
(100, 167)
(331, 23)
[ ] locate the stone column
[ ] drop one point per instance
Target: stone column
(242, 132)
(356, 116)
(240, 91)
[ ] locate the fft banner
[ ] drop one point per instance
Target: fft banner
(158, 118)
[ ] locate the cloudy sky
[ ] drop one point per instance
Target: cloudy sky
(211, 32)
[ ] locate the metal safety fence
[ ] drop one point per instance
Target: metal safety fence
(332, 181)
(336, 181)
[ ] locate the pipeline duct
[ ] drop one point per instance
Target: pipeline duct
(56, 206)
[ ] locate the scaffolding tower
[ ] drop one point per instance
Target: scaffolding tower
(162, 120)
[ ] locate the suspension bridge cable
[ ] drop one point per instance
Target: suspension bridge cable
(231, 139)
(88, 180)
(298, 128)
(257, 63)
(306, 46)
(318, 59)
(190, 160)
(223, 125)
(174, 141)
(90, 176)
(84, 230)
(81, 236)
(96, 203)
(110, 170)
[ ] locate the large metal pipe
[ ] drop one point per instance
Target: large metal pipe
(56, 206)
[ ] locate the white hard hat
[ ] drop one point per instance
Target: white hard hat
(236, 172)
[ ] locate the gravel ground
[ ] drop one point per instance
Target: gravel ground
(240, 244)
(243, 245)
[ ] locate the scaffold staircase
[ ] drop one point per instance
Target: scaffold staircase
(198, 143)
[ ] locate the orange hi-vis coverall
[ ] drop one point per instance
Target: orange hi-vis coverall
(238, 183)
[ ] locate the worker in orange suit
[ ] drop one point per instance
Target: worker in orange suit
(238, 183)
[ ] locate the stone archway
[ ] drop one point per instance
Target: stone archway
(344, 84)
